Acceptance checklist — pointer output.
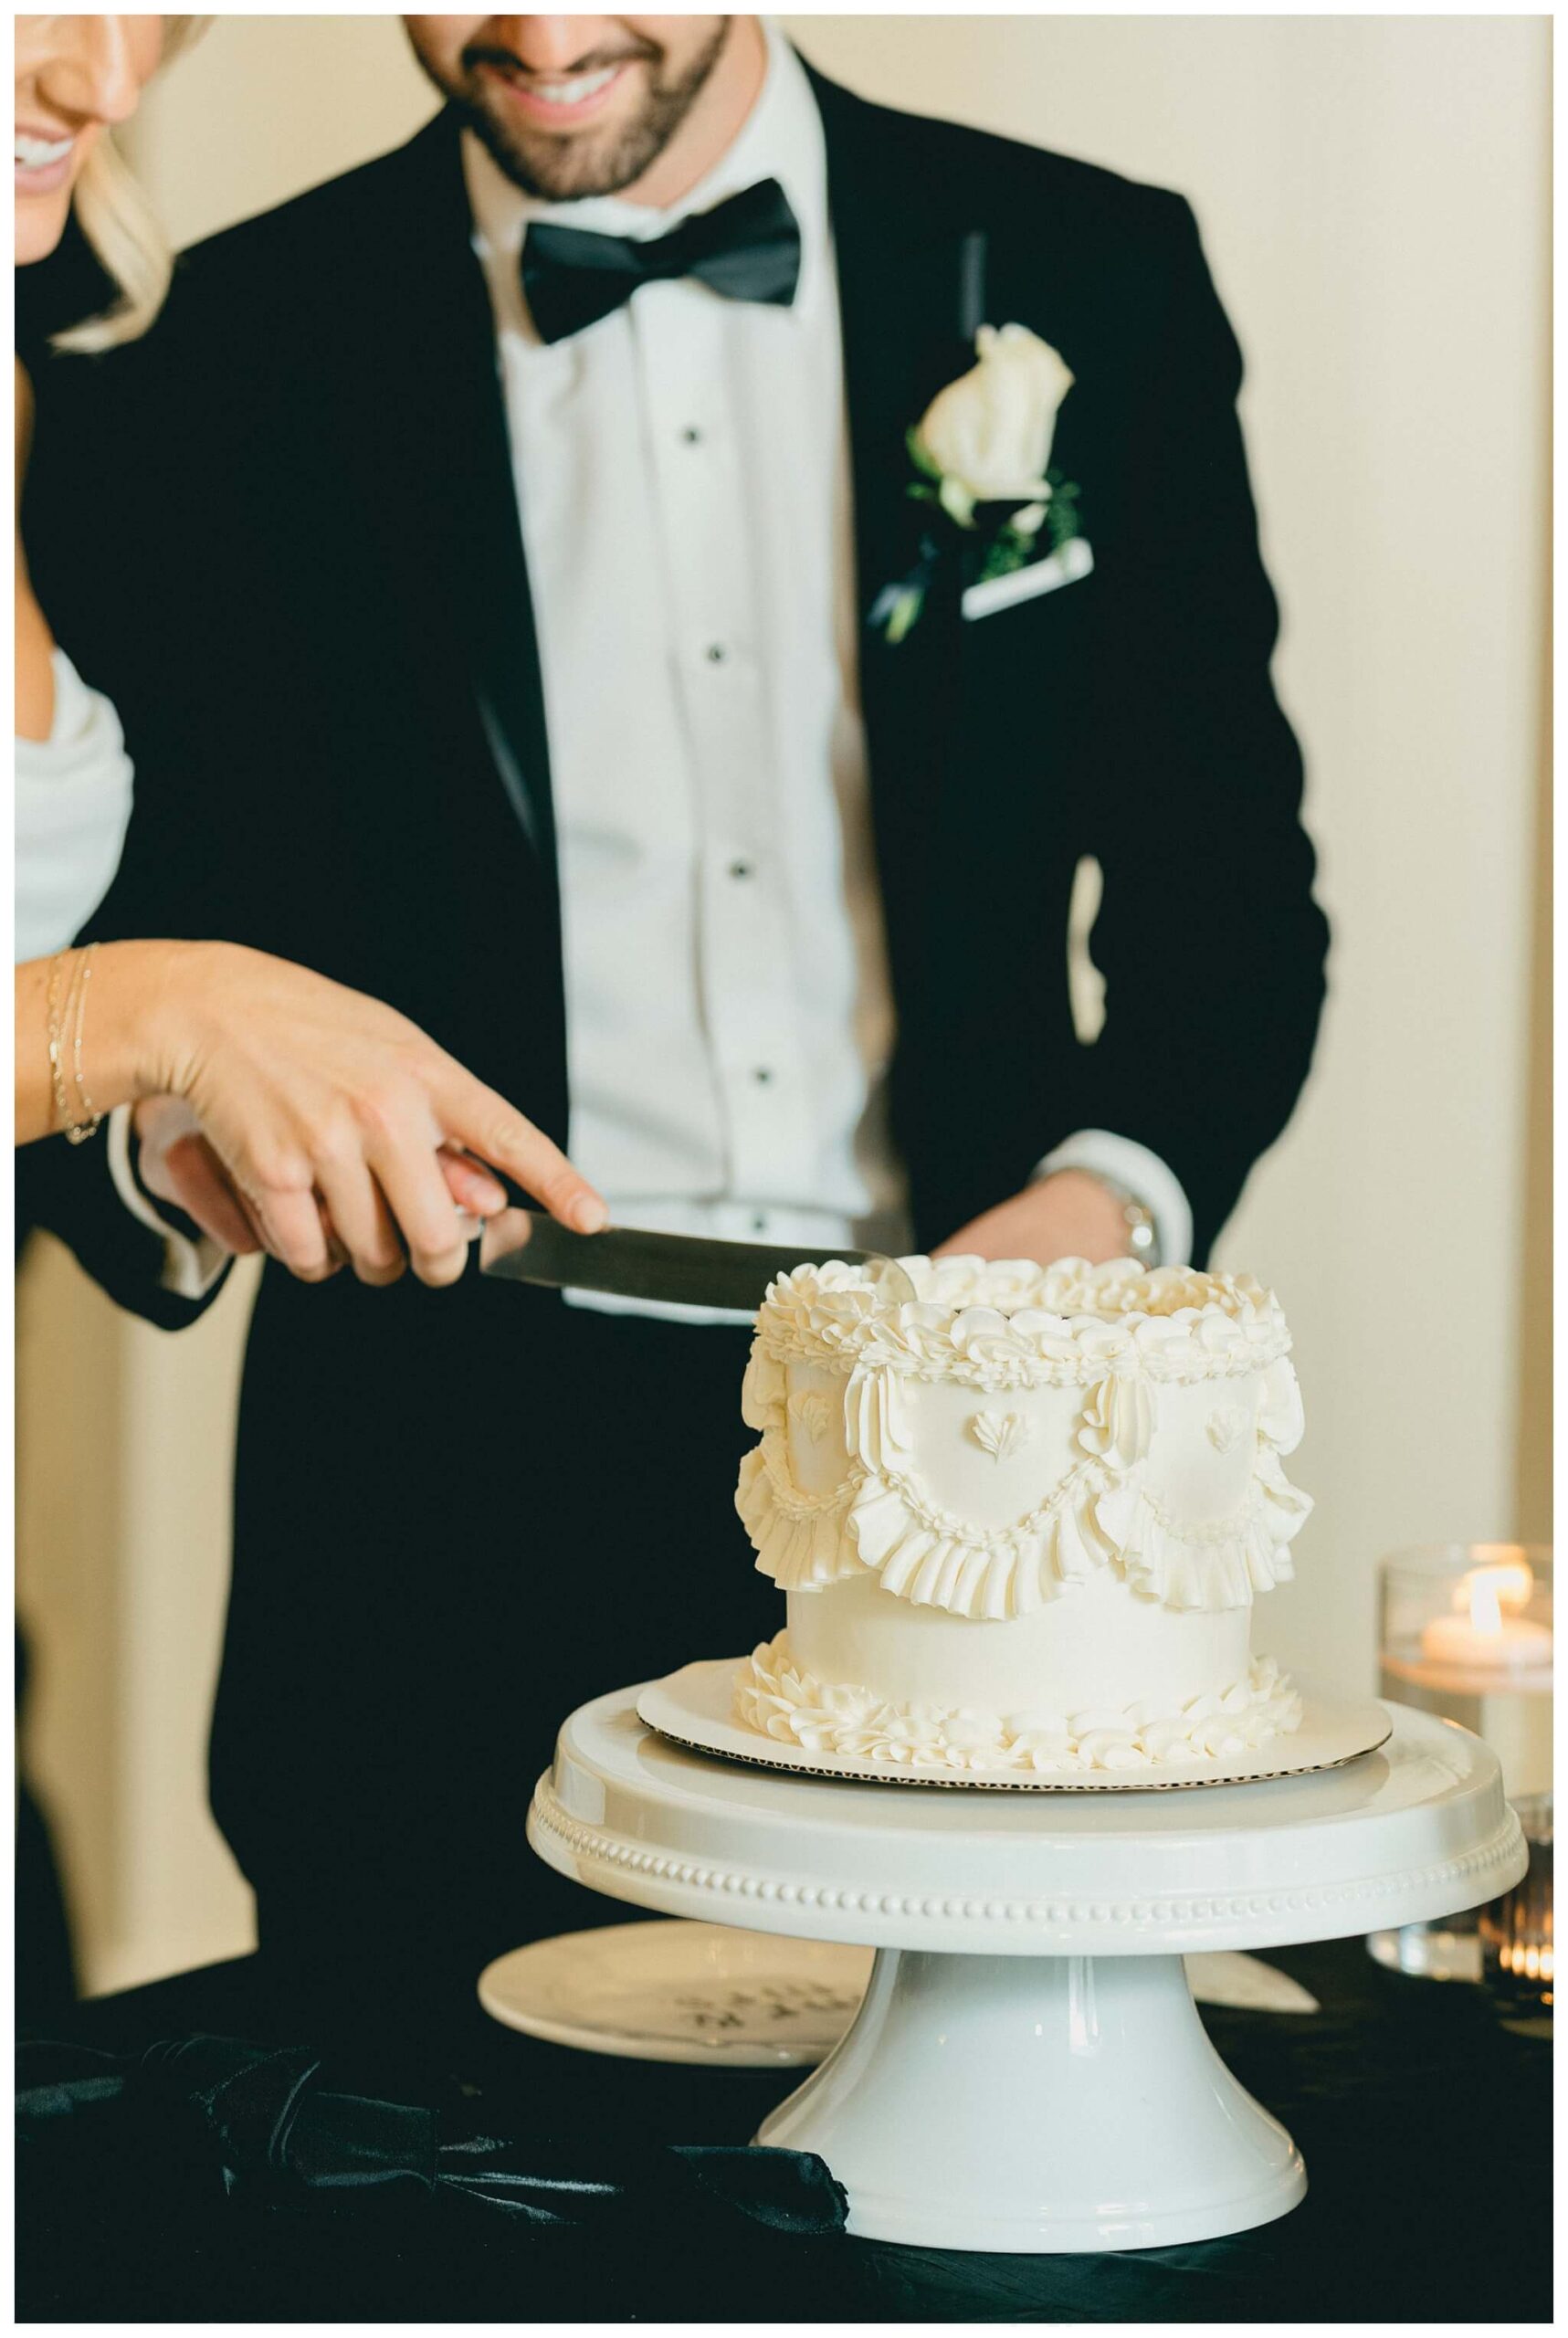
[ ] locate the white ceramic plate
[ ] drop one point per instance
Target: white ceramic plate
(681, 1992)
(692, 1708)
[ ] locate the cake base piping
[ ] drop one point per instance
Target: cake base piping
(775, 1697)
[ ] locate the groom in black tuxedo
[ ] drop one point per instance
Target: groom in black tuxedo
(521, 613)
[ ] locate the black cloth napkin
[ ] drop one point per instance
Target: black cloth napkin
(259, 2120)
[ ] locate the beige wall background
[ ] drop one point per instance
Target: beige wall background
(1374, 193)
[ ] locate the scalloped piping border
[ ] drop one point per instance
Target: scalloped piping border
(1175, 1367)
(1093, 1337)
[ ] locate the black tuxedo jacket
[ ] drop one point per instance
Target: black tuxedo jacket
(316, 623)
(314, 617)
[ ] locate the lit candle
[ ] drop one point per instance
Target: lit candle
(1488, 1665)
(1480, 1639)
(1511, 1579)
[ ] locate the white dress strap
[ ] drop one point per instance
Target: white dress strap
(73, 803)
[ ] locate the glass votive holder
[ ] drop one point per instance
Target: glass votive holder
(1466, 1631)
(1516, 1931)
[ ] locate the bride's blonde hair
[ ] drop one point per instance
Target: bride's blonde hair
(120, 226)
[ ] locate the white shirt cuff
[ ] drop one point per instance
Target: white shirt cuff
(190, 1269)
(1145, 1176)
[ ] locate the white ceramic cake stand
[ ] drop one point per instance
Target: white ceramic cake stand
(1027, 2070)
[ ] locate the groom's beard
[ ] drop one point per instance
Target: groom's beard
(560, 169)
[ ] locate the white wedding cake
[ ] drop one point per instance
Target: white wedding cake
(1020, 1522)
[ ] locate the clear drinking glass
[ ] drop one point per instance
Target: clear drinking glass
(1466, 1631)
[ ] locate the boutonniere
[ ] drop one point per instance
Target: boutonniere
(982, 455)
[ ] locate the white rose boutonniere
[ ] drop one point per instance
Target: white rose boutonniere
(987, 436)
(982, 451)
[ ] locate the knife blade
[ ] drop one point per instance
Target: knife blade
(684, 1269)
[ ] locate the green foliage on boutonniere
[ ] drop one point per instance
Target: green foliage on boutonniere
(1061, 511)
(1016, 542)
(987, 547)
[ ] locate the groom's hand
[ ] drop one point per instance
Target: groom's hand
(1068, 1215)
(176, 1166)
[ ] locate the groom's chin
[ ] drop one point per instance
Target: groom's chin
(560, 166)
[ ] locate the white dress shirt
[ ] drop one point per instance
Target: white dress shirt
(682, 477)
(681, 469)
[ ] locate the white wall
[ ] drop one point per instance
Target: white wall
(265, 106)
(1373, 193)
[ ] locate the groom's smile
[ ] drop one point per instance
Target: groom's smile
(559, 104)
(574, 106)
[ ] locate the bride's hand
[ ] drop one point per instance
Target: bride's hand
(332, 1125)
(176, 1165)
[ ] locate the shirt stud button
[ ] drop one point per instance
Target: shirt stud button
(742, 868)
(716, 653)
(691, 436)
(759, 1224)
(762, 1075)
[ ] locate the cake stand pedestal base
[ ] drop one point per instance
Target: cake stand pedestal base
(1038, 2103)
(1028, 2071)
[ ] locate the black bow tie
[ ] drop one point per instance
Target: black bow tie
(746, 250)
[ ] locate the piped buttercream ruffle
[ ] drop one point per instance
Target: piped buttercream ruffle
(926, 1555)
(777, 1697)
(798, 1538)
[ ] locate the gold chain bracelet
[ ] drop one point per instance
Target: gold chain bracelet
(91, 1118)
(57, 1070)
(77, 1129)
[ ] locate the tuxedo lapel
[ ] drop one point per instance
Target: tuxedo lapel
(428, 428)
(906, 281)
(905, 285)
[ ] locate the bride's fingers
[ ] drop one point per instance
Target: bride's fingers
(357, 1221)
(487, 1124)
(416, 1181)
(335, 1250)
(292, 1231)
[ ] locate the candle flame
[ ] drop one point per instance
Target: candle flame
(1486, 1610)
(1509, 1584)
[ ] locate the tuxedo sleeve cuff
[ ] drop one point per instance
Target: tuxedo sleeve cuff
(192, 1262)
(1123, 1161)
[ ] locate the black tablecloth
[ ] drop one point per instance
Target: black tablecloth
(1424, 2125)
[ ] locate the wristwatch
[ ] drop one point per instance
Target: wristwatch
(1143, 1234)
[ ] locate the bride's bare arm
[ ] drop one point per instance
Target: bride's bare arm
(35, 645)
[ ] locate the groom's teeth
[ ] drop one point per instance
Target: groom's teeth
(37, 153)
(572, 93)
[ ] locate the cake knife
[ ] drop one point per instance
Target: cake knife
(524, 1246)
